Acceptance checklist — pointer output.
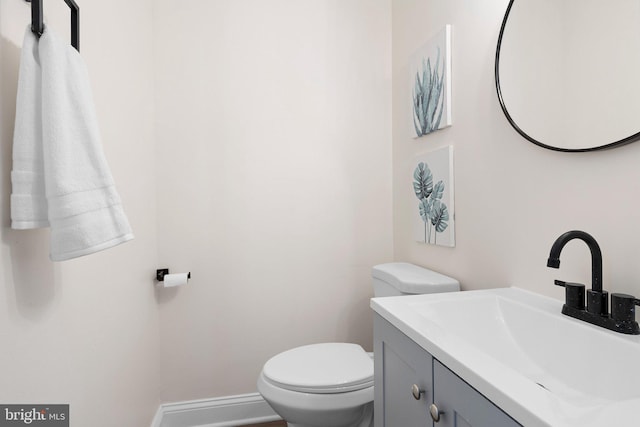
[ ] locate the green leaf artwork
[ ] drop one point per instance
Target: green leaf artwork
(438, 190)
(439, 217)
(422, 181)
(433, 212)
(428, 97)
(429, 82)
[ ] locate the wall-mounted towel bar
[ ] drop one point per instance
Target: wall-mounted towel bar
(37, 24)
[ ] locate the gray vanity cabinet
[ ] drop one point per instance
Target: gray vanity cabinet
(408, 381)
(461, 405)
(399, 364)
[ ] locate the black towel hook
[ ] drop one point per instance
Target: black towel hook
(37, 24)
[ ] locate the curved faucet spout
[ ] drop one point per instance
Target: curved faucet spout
(622, 318)
(596, 255)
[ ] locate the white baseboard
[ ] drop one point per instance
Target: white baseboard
(228, 411)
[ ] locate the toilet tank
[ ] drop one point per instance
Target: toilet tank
(402, 278)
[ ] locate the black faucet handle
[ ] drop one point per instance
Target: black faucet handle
(573, 294)
(623, 307)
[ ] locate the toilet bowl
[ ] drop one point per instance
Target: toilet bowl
(320, 385)
(331, 384)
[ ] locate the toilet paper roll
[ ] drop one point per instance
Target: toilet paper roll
(178, 279)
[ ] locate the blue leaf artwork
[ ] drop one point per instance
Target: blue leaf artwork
(428, 97)
(431, 84)
(435, 201)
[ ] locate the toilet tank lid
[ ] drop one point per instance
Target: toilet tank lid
(413, 279)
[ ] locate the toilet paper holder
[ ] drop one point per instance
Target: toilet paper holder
(161, 272)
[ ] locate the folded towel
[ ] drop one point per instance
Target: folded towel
(84, 210)
(28, 201)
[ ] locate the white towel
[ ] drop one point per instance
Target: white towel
(84, 210)
(28, 201)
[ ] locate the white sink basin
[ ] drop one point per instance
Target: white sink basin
(515, 347)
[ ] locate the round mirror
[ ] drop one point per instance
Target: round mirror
(568, 72)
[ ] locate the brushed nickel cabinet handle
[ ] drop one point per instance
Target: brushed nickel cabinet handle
(435, 412)
(416, 392)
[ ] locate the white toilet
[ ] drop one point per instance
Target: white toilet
(331, 384)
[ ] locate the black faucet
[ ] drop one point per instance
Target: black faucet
(622, 318)
(597, 299)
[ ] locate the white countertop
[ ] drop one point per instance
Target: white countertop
(505, 342)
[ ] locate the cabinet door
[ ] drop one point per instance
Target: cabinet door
(399, 363)
(461, 405)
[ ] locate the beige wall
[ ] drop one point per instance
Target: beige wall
(513, 199)
(273, 138)
(85, 332)
(267, 173)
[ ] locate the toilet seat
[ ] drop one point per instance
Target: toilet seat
(321, 369)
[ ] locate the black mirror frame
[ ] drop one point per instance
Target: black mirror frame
(619, 143)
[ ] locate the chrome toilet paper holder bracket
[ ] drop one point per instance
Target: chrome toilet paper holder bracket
(161, 272)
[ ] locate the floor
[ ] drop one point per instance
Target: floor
(271, 424)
